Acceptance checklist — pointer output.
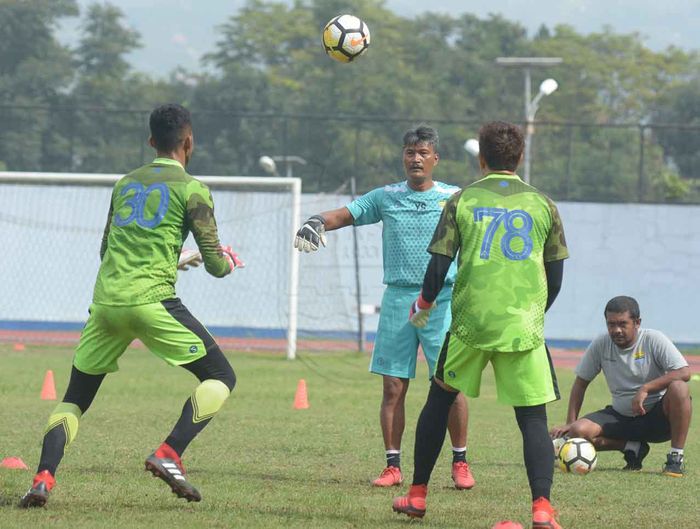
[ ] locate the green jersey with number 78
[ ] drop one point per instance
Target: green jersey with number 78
(504, 231)
(151, 213)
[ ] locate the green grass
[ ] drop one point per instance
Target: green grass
(262, 464)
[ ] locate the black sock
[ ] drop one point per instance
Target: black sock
(393, 459)
(459, 456)
(185, 429)
(430, 432)
(538, 451)
(52, 449)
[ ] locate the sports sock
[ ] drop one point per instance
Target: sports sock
(430, 432)
(393, 458)
(60, 432)
(538, 451)
(634, 446)
(679, 451)
(459, 454)
(203, 404)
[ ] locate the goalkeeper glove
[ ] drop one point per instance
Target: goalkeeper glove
(311, 235)
(420, 312)
(231, 257)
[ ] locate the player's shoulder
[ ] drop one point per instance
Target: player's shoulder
(599, 343)
(395, 187)
(448, 190)
(654, 336)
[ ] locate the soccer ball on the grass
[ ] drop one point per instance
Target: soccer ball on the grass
(345, 38)
(577, 456)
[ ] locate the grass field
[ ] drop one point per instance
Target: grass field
(262, 464)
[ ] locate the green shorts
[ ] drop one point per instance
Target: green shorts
(167, 328)
(524, 378)
(396, 345)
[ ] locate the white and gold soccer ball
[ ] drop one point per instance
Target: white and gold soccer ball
(345, 38)
(577, 456)
(557, 443)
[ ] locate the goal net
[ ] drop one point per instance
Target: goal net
(51, 226)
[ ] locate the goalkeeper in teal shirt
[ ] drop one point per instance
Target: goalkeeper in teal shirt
(410, 211)
(151, 212)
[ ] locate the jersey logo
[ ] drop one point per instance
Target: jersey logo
(639, 355)
(509, 219)
(442, 203)
(137, 204)
(420, 206)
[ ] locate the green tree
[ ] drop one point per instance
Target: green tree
(35, 73)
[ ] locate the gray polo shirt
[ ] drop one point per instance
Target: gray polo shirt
(626, 370)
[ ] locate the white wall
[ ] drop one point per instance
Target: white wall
(50, 238)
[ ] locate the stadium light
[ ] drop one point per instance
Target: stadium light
(547, 87)
(472, 146)
(269, 163)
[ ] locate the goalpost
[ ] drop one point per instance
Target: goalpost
(51, 226)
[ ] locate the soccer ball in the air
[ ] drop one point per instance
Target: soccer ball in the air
(345, 38)
(577, 456)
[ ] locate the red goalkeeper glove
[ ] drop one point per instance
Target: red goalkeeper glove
(231, 257)
(420, 312)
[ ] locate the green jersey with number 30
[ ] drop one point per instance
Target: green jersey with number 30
(151, 213)
(504, 231)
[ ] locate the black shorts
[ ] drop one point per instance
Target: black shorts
(652, 427)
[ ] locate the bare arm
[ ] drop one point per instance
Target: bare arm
(656, 385)
(578, 391)
(337, 218)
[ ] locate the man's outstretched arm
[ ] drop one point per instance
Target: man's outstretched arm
(312, 235)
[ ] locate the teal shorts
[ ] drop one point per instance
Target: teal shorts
(167, 328)
(396, 346)
(524, 378)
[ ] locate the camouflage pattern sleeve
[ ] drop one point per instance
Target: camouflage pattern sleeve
(555, 246)
(105, 235)
(202, 224)
(446, 237)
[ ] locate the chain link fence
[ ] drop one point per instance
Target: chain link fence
(570, 161)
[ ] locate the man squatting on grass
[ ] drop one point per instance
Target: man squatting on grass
(409, 212)
(151, 212)
(647, 377)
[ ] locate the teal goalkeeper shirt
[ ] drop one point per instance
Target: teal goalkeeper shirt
(409, 219)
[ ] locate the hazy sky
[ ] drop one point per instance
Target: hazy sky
(178, 32)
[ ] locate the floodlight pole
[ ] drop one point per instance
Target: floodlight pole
(289, 160)
(531, 105)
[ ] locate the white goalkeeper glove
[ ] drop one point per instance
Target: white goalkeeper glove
(420, 312)
(311, 235)
(231, 257)
(189, 258)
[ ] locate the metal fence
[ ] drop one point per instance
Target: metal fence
(570, 161)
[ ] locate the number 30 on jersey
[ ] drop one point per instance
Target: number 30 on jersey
(509, 219)
(137, 204)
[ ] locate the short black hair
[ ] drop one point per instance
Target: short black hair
(168, 124)
(501, 144)
(621, 304)
(421, 134)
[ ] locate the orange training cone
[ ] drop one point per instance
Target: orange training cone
(13, 462)
(48, 390)
(301, 400)
(19, 346)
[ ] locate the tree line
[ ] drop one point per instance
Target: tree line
(624, 124)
